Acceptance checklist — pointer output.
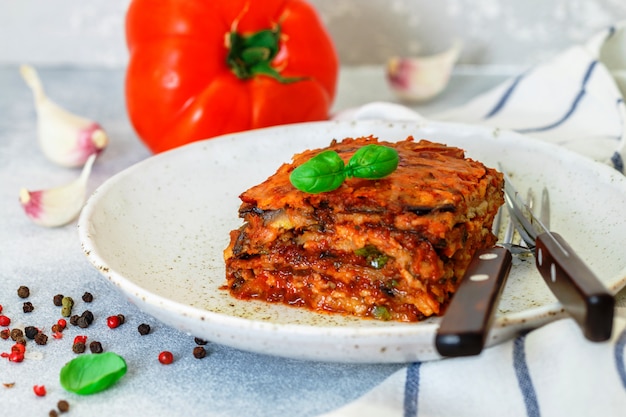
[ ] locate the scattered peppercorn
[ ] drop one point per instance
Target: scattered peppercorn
(40, 390)
(82, 322)
(80, 339)
(0, 308)
(31, 332)
(87, 297)
(28, 307)
(62, 323)
(122, 318)
(53, 413)
(23, 292)
(56, 328)
(143, 329)
(63, 406)
(95, 347)
(88, 315)
(74, 320)
(58, 300)
(166, 357)
(113, 321)
(67, 304)
(4, 321)
(41, 338)
(16, 356)
(199, 352)
(78, 347)
(16, 334)
(5, 334)
(199, 341)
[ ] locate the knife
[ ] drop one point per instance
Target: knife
(464, 326)
(581, 293)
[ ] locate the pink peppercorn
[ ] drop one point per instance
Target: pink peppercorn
(4, 321)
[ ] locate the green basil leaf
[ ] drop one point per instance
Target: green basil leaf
(372, 162)
(92, 373)
(324, 172)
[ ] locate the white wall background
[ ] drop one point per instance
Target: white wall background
(498, 33)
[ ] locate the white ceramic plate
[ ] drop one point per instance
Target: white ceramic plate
(157, 231)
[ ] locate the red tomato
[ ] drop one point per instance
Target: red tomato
(199, 68)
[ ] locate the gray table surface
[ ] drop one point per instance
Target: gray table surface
(227, 382)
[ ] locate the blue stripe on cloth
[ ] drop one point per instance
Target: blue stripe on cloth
(505, 97)
(572, 108)
(523, 377)
(620, 345)
(411, 389)
(618, 162)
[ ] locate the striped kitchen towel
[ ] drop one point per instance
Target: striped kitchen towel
(549, 372)
(575, 100)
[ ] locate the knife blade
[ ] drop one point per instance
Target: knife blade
(573, 283)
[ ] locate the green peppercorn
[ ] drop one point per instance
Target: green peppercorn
(67, 303)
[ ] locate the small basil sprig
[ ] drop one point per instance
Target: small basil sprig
(326, 171)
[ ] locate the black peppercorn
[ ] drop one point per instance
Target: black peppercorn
(5, 334)
(78, 347)
(63, 406)
(143, 329)
(74, 320)
(88, 315)
(95, 347)
(23, 292)
(41, 339)
(28, 307)
(122, 318)
(16, 334)
(58, 300)
(31, 332)
(87, 297)
(199, 352)
(82, 322)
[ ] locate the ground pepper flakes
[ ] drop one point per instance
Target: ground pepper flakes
(23, 291)
(28, 307)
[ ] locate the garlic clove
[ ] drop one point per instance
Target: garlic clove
(65, 138)
(57, 206)
(418, 79)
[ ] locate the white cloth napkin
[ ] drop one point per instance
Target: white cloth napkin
(576, 100)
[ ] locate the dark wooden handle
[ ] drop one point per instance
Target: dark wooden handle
(583, 296)
(467, 320)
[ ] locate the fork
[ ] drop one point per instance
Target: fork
(582, 294)
(464, 326)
